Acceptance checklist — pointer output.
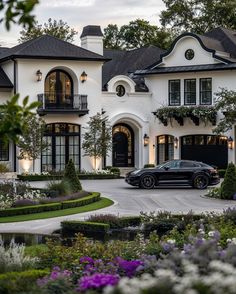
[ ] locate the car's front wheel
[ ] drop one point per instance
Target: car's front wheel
(147, 182)
(200, 181)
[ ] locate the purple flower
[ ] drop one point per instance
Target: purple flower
(97, 281)
(130, 267)
(86, 259)
(55, 274)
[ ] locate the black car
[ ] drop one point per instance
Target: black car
(175, 172)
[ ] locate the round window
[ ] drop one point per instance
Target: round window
(189, 54)
(120, 90)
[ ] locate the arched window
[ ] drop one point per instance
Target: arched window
(58, 89)
(63, 144)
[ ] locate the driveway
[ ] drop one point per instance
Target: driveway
(128, 201)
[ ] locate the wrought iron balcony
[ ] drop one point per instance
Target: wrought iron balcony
(62, 103)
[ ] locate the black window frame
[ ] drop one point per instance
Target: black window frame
(201, 91)
(4, 151)
(170, 92)
(186, 92)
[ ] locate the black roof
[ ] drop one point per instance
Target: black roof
(190, 68)
(91, 31)
(4, 80)
(49, 47)
(127, 62)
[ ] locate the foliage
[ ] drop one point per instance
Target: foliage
(52, 199)
(18, 11)
(214, 192)
(14, 117)
(198, 16)
(136, 34)
(94, 197)
(73, 227)
(203, 113)
(4, 168)
(61, 188)
(13, 258)
(226, 103)
(97, 140)
(71, 177)
(228, 186)
(31, 142)
(58, 29)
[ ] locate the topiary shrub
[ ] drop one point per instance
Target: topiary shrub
(228, 186)
(71, 177)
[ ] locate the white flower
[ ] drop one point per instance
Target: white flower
(211, 234)
(171, 241)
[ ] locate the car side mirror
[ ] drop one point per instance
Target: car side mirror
(166, 167)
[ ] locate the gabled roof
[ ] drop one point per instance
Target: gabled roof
(127, 62)
(4, 80)
(49, 47)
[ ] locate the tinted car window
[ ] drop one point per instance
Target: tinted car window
(186, 164)
(171, 164)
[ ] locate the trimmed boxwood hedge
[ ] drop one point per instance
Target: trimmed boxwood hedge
(73, 227)
(95, 196)
(31, 178)
(20, 282)
(130, 221)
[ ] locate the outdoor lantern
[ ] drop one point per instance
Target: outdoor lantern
(230, 142)
(176, 142)
(145, 140)
(83, 77)
(39, 75)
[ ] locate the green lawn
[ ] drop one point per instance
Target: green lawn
(104, 202)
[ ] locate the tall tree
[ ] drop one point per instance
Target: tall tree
(226, 103)
(31, 142)
(18, 11)
(58, 29)
(136, 34)
(97, 140)
(198, 16)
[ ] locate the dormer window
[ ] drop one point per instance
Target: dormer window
(120, 91)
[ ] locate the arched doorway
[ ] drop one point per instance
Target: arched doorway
(58, 89)
(63, 141)
(165, 148)
(123, 146)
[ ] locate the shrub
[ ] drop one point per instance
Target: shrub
(228, 186)
(149, 165)
(72, 227)
(4, 168)
(73, 196)
(81, 202)
(24, 202)
(214, 192)
(60, 188)
(71, 177)
(20, 282)
(115, 170)
(114, 221)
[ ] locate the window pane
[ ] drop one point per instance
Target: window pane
(211, 140)
(206, 91)
(190, 92)
(199, 140)
(187, 140)
(4, 151)
(174, 92)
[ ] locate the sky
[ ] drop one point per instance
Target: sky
(79, 13)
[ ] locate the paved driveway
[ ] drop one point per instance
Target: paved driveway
(128, 201)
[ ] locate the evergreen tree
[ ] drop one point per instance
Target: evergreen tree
(228, 186)
(71, 177)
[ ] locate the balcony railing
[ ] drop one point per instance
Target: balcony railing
(62, 103)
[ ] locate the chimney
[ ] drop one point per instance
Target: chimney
(92, 39)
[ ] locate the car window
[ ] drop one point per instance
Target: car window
(171, 164)
(187, 164)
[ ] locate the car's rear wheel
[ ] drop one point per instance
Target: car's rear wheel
(147, 182)
(200, 181)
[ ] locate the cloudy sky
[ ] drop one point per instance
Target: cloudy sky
(78, 13)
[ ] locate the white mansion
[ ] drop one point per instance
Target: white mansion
(136, 89)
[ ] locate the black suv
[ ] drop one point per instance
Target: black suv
(175, 172)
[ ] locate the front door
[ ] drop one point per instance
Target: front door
(123, 146)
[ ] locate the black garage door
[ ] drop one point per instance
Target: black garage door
(205, 148)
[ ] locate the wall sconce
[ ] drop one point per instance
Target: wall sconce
(230, 142)
(83, 77)
(176, 141)
(39, 75)
(145, 140)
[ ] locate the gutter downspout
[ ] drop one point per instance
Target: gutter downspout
(14, 89)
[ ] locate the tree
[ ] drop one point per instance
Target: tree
(58, 29)
(97, 141)
(136, 34)
(31, 141)
(228, 186)
(71, 177)
(18, 11)
(226, 103)
(198, 16)
(14, 118)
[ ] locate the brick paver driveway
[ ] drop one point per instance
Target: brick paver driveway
(128, 201)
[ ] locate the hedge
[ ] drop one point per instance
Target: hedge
(20, 282)
(72, 227)
(59, 177)
(130, 221)
(95, 196)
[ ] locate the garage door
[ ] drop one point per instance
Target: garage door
(209, 149)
